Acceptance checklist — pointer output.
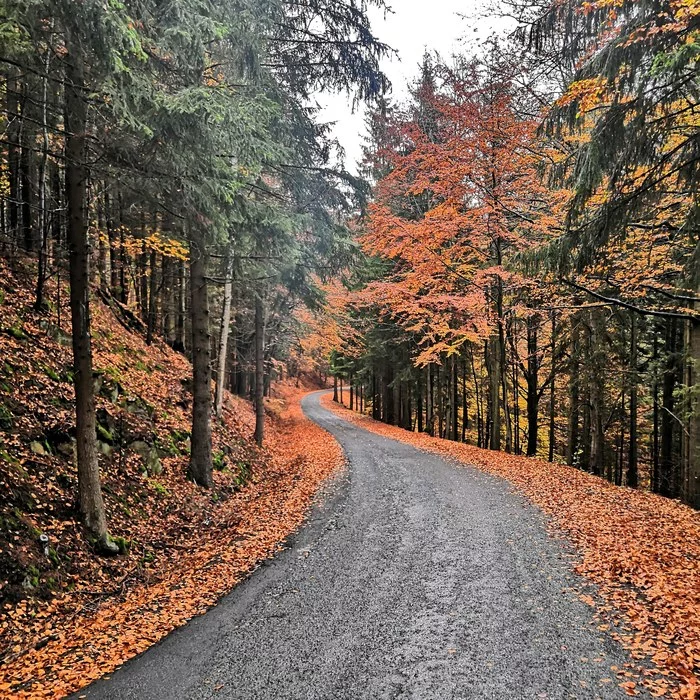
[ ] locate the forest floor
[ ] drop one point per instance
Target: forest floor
(642, 551)
(68, 616)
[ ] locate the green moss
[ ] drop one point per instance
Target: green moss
(17, 332)
(123, 544)
(53, 556)
(7, 457)
(105, 434)
(6, 417)
(51, 374)
(159, 488)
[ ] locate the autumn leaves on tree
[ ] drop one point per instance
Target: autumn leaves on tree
(531, 279)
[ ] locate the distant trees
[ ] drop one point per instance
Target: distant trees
(532, 284)
(164, 154)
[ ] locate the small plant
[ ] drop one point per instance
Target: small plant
(17, 332)
(6, 418)
(218, 460)
(159, 488)
(51, 374)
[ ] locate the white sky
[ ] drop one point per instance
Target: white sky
(448, 26)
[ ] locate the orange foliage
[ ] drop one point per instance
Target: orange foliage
(463, 196)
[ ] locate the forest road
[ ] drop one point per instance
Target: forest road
(414, 578)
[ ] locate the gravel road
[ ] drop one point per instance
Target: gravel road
(415, 578)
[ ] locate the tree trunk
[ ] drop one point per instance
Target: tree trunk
(572, 435)
(493, 357)
(13, 150)
(39, 301)
(152, 297)
(532, 379)
(223, 337)
(692, 495)
(89, 487)
(552, 390)
(597, 360)
(180, 325)
(259, 369)
(632, 475)
(200, 469)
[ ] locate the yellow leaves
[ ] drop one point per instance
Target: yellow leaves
(587, 94)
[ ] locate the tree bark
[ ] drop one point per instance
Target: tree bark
(200, 469)
(692, 495)
(89, 486)
(493, 358)
(152, 297)
(532, 378)
(259, 369)
(597, 360)
(572, 434)
(632, 475)
(223, 337)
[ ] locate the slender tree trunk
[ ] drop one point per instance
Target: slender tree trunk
(89, 487)
(123, 281)
(692, 482)
(454, 401)
(572, 436)
(493, 357)
(13, 151)
(654, 485)
(180, 329)
(632, 475)
(200, 469)
(223, 337)
(259, 369)
(532, 387)
(39, 301)
(335, 388)
(26, 163)
(152, 297)
(596, 397)
(552, 390)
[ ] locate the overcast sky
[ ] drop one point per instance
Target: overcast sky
(448, 26)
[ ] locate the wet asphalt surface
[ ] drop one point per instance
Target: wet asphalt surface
(414, 578)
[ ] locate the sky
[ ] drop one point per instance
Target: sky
(448, 26)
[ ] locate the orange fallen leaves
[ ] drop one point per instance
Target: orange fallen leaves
(250, 527)
(642, 551)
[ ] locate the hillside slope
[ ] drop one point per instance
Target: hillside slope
(68, 615)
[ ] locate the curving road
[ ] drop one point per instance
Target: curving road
(415, 578)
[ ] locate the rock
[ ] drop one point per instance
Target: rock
(107, 546)
(105, 448)
(140, 447)
(37, 448)
(66, 448)
(137, 408)
(154, 466)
